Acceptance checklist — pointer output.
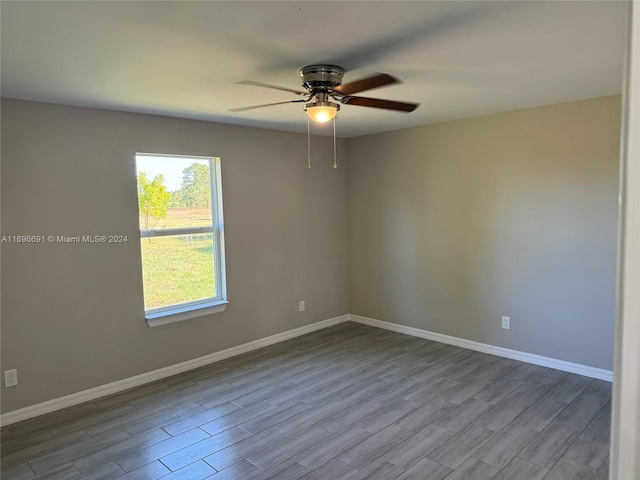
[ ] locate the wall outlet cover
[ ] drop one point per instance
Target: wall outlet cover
(10, 378)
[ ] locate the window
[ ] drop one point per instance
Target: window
(181, 237)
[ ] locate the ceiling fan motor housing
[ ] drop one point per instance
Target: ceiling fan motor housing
(321, 77)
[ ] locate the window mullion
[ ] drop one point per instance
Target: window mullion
(176, 231)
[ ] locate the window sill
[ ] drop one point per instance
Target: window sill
(156, 319)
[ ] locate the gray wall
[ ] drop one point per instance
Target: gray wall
(450, 226)
(453, 225)
(72, 315)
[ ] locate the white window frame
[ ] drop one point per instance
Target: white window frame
(183, 311)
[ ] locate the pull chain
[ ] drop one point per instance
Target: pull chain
(308, 143)
(335, 157)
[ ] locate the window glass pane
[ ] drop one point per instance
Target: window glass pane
(173, 192)
(177, 269)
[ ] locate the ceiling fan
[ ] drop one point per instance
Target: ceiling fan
(323, 83)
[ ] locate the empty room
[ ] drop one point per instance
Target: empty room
(319, 240)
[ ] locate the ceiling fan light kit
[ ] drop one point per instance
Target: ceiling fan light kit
(321, 110)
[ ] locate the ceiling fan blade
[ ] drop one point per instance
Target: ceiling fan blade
(242, 109)
(379, 103)
(275, 87)
(368, 83)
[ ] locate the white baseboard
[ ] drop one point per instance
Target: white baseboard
(565, 366)
(131, 382)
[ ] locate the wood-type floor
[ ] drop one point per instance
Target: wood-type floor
(347, 402)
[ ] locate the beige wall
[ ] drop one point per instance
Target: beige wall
(72, 315)
(453, 225)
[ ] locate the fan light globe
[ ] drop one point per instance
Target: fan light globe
(322, 112)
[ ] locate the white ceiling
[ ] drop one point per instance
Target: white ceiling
(457, 59)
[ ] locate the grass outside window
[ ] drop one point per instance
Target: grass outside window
(177, 269)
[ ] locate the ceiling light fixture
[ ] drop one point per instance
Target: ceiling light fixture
(321, 110)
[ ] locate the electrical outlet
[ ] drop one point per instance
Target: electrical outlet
(301, 306)
(506, 323)
(10, 378)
